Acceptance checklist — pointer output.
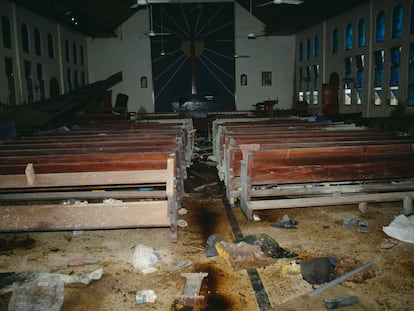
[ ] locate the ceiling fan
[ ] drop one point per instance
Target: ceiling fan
(295, 2)
(151, 33)
(251, 35)
(138, 3)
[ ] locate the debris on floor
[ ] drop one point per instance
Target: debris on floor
(29, 296)
(144, 258)
(191, 292)
(317, 271)
(8, 279)
(286, 222)
(82, 262)
(145, 296)
(401, 228)
(212, 240)
(268, 246)
(388, 243)
(243, 255)
(339, 302)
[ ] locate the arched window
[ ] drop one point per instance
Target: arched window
(6, 32)
(67, 51)
(348, 37)
(316, 47)
(397, 21)
(395, 74)
(75, 53)
(335, 41)
(50, 46)
(25, 38)
(81, 55)
(308, 49)
(38, 42)
(361, 33)
(380, 27)
(301, 51)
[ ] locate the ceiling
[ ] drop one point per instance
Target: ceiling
(100, 18)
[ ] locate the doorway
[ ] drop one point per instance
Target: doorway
(330, 102)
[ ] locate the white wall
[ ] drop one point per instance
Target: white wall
(330, 63)
(130, 53)
(51, 67)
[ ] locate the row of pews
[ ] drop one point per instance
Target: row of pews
(96, 176)
(284, 163)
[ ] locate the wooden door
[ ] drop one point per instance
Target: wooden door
(330, 104)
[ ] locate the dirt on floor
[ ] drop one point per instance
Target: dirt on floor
(320, 233)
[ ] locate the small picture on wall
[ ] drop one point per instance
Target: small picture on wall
(144, 82)
(243, 79)
(266, 78)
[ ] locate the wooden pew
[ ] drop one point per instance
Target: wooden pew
(330, 175)
(144, 167)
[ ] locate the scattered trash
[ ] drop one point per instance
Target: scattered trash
(46, 278)
(143, 258)
(182, 223)
(82, 262)
(363, 207)
(145, 296)
(111, 201)
(286, 223)
(401, 228)
(77, 232)
(388, 243)
(182, 264)
(243, 255)
(268, 246)
(182, 211)
(350, 222)
(212, 240)
(338, 302)
(191, 292)
(348, 264)
(363, 226)
(199, 188)
(34, 295)
(291, 268)
(256, 217)
(318, 270)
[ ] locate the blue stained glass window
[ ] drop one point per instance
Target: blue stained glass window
(301, 51)
(308, 49)
(411, 76)
(361, 33)
(397, 21)
(316, 47)
(380, 27)
(359, 60)
(379, 65)
(395, 65)
(335, 41)
(348, 37)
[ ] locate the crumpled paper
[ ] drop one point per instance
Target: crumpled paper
(401, 228)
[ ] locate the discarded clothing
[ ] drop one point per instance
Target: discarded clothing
(211, 245)
(268, 246)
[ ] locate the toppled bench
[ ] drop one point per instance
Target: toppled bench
(317, 176)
